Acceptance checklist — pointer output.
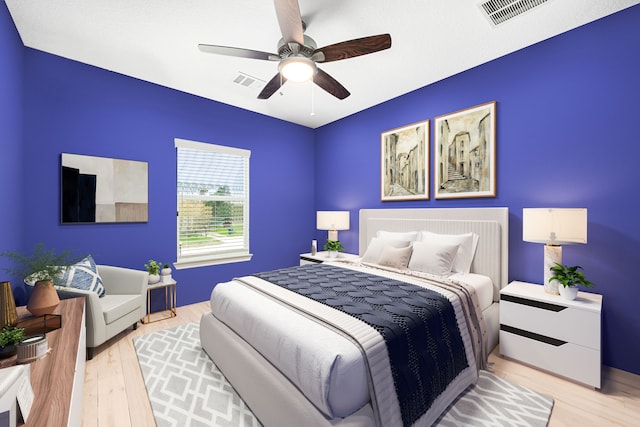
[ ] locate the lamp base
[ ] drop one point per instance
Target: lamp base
(552, 255)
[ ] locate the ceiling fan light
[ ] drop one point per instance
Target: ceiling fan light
(297, 69)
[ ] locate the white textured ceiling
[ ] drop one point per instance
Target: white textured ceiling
(157, 41)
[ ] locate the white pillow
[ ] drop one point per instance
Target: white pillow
(395, 257)
(467, 242)
(395, 235)
(376, 245)
(433, 257)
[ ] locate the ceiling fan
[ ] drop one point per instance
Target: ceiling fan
(298, 54)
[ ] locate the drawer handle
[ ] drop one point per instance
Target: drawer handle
(532, 335)
(533, 303)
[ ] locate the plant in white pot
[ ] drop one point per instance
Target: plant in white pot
(333, 246)
(569, 279)
(153, 268)
(42, 268)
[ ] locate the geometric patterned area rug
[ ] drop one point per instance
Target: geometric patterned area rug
(494, 401)
(185, 388)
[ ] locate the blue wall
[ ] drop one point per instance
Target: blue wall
(566, 110)
(567, 136)
(74, 108)
(11, 172)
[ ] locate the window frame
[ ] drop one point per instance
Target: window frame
(214, 257)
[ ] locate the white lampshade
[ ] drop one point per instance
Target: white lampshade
(332, 221)
(554, 226)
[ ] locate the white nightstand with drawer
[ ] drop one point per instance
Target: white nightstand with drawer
(552, 333)
(323, 256)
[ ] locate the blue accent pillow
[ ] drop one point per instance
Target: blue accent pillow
(83, 275)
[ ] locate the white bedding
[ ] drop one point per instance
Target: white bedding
(328, 368)
(482, 285)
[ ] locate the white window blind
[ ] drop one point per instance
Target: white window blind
(213, 204)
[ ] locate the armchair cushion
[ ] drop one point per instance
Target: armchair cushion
(116, 306)
(83, 275)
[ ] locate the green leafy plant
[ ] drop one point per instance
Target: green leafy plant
(166, 265)
(569, 276)
(41, 264)
(10, 335)
(333, 245)
(153, 267)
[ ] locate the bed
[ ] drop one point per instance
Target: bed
(294, 370)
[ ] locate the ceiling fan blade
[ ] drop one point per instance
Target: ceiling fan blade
(352, 48)
(329, 84)
(238, 52)
(272, 86)
(290, 20)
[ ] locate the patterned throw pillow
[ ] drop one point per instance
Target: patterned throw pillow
(83, 275)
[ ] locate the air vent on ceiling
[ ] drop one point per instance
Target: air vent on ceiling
(248, 81)
(499, 11)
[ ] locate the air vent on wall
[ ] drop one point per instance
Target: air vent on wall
(499, 11)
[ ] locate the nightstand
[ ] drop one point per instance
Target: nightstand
(323, 256)
(552, 333)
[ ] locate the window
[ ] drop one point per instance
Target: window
(213, 204)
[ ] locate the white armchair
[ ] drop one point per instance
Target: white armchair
(123, 304)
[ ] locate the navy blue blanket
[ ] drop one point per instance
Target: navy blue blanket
(419, 326)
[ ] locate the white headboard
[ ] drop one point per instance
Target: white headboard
(491, 225)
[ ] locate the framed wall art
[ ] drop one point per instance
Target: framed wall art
(404, 162)
(465, 153)
(101, 189)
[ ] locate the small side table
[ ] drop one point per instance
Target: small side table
(169, 300)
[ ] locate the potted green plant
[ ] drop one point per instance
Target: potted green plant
(153, 268)
(333, 247)
(569, 277)
(10, 337)
(41, 268)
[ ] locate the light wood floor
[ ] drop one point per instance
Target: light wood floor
(115, 395)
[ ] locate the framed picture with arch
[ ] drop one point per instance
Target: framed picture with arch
(465, 153)
(404, 162)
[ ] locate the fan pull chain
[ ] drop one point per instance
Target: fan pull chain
(313, 113)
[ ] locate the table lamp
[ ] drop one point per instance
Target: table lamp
(332, 221)
(554, 227)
